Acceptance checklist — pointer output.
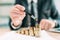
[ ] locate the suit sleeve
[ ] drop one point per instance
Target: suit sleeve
(54, 13)
(18, 2)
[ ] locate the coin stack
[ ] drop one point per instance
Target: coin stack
(31, 31)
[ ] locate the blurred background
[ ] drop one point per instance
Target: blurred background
(5, 7)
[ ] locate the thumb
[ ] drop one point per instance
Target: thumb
(17, 22)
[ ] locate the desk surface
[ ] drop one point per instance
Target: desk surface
(54, 35)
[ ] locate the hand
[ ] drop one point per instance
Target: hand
(46, 24)
(17, 14)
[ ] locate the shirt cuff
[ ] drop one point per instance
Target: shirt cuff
(16, 26)
(56, 24)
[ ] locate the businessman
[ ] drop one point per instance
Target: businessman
(41, 9)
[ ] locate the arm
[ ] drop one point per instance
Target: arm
(49, 10)
(16, 16)
(54, 12)
(18, 2)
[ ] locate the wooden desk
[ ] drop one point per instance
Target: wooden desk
(4, 30)
(54, 35)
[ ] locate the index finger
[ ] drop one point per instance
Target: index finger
(20, 7)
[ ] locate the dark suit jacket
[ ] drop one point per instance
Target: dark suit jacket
(43, 7)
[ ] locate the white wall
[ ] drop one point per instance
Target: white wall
(5, 11)
(7, 1)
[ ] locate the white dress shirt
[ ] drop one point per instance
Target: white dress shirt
(34, 6)
(29, 9)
